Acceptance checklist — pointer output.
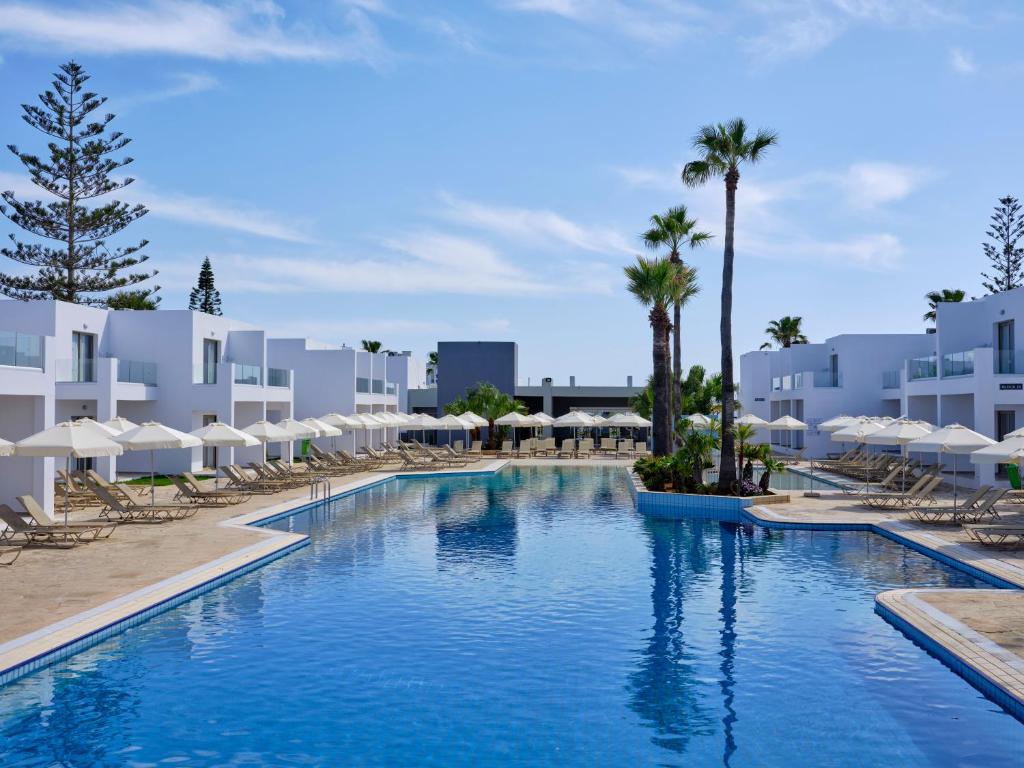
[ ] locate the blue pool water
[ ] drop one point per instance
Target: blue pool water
(528, 618)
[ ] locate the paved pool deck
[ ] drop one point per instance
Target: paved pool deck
(52, 598)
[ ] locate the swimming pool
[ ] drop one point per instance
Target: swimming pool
(526, 618)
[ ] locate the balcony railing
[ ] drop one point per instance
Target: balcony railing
(828, 379)
(76, 370)
(204, 373)
(890, 379)
(922, 368)
(135, 372)
(391, 388)
(362, 385)
(378, 386)
(248, 374)
(22, 350)
(958, 364)
(279, 377)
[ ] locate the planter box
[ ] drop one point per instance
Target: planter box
(681, 506)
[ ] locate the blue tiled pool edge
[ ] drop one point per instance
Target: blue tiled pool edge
(991, 689)
(97, 636)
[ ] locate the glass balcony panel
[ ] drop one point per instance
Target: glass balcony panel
(378, 386)
(278, 377)
(248, 374)
(922, 368)
(23, 350)
(363, 385)
(136, 372)
(828, 379)
(958, 364)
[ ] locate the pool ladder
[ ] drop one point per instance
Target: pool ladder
(316, 484)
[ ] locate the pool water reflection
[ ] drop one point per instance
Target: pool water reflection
(527, 618)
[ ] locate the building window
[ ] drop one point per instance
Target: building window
(83, 357)
(211, 355)
(1005, 362)
(362, 385)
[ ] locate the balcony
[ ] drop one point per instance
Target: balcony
(828, 379)
(922, 368)
(378, 386)
(247, 374)
(890, 379)
(78, 370)
(279, 377)
(362, 385)
(391, 388)
(21, 350)
(135, 372)
(958, 364)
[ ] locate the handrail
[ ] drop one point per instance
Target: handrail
(316, 483)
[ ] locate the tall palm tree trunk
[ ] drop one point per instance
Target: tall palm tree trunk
(677, 365)
(661, 413)
(727, 466)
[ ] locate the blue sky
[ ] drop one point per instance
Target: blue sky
(414, 171)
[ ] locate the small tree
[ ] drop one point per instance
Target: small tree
(371, 346)
(1006, 258)
(946, 295)
(205, 297)
(137, 299)
(78, 170)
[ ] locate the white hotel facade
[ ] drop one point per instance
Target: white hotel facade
(61, 361)
(969, 371)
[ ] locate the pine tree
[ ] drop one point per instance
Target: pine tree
(78, 170)
(205, 297)
(1007, 259)
(140, 298)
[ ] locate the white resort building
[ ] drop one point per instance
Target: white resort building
(968, 371)
(61, 361)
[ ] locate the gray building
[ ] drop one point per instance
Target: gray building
(464, 364)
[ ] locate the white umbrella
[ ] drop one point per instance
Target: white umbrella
(573, 419)
(6, 447)
(698, 421)
(787, 423)
(341, 422)
(217, 434)
(1010, 450)
(751, 420)
(450, 421)
(266, 432)
(858, 433)
(67, 440)
(900, 432)
(543, 418)
(323, 429)
(836, 423)
(477, 421)
(955, 439)
(515, 420)
(102, 430)
(366, 423)
(152, 436)
(120, 424)
(298, 431)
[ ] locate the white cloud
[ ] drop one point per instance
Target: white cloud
(868, 185)
(654, 22)
(189, 209)
(802, 28)
(531, 225)
(235, 31)
(962, 62)
(181, 84)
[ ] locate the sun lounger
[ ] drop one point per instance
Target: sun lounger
(972, 511)
(9, 554)
(415, 463)
(585, 447)
(997, 534)
(136, 512)
(506, 448)
(17, 531)
(923, 490)
(476, 447)
(232, 496)
(624, 449)
(607, 445)
(640, 450)
(568, 449)
(454, 455)
(40, 518)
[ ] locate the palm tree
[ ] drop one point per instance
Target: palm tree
(785, 332)
(723, 148)
(432, 364)
(935, 298)
(488, 402)
(657, 283)
(674, 229)
(371, 346)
